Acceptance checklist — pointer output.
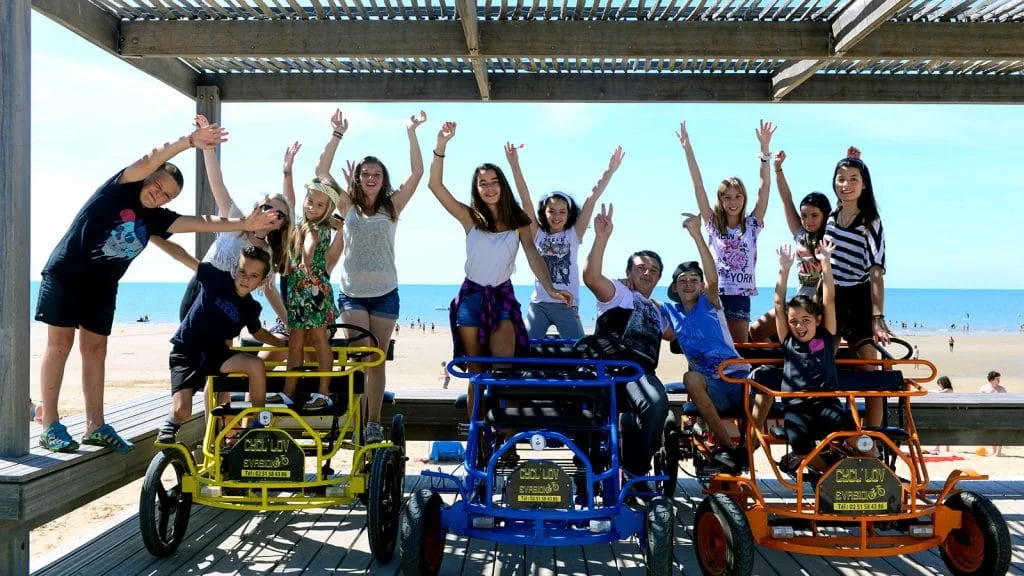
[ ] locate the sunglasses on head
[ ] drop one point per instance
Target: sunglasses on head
(280, 214)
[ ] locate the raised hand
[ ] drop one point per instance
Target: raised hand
(209, 136)
(336, 222)
(616, 160)
(824, 252)
(853, 152)
(349, 172)
(785, 253)
(603, 222)
(780, 157)
(764, 134)
(200, 122)
(416, 121)
(447, 132)
(684, 138)
(259, 221)
(338, 122)
(691, 222)
(512, 152)
(289, 156)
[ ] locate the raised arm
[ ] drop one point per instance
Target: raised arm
(785, 253)
(337, 246)
(828, 284)
(764, 134)
(289, 180)
(698, 182)
(176, 251)
(339, 125)
(214, 175)
(588, 205)
(512, 155)
(707, 262)
(203, 138)
(792, 214)
(406, 190)
(602, 287)
(257, 221)
(436, 184)
(540, 268)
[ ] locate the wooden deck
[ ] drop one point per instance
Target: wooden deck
(335, 541)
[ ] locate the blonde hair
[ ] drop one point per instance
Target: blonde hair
(305, 226)
(721, 219)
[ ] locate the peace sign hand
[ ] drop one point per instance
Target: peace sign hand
(289, 155)
(603, 222)
(512, 152)
(338, 122)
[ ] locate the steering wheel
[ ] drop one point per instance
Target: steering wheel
(907, 346)
(597, 347)
(360, 334)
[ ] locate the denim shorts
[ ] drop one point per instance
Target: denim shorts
(385, 306)
(736, 307)
(725, 396)
(468, 313)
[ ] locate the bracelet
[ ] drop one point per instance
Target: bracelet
(339, 135)
(765, 157)
(438, 155)
(191, 144)
(287, 173)
(778, 170)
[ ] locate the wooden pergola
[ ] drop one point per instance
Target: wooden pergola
(213, 51)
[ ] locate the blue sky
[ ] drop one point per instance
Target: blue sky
(944, 175)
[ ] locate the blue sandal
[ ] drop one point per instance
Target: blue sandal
(105, 436)
(56, 439)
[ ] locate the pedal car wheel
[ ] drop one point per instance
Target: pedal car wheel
(982, 543)
(725, 545)
(666, 461)
(422, 535)
(398, 440)
(385, 500)
(164, 508)
(658, 532)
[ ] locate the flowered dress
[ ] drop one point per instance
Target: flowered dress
(310, 300)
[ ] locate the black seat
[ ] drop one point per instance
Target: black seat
(871, 380)
(339, 384)
(238, 403)
(334, 343)
(897, 435)
(690, 409)
(549, 416)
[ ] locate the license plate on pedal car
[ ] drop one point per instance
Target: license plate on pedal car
(860, 487)
(265, 456)
(539, 484)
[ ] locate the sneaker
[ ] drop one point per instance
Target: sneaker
(105, 436)
(56, 439)
(317, 402)
(279, 398)
(373, 433)
(730, 460)
(167, 432)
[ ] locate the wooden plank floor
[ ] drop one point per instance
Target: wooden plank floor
(335, 541)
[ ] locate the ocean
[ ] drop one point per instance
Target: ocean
(932, 310)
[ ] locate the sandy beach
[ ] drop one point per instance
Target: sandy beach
(137, 365)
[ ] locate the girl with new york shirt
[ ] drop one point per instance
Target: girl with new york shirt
(732, 232)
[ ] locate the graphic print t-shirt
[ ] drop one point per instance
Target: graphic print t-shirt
(703, 336)
(735, 256)
(559, 252)
(635, 320)
(809, 366)
(218, 314)
(107, 234)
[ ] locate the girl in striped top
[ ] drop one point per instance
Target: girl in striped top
(858, 263)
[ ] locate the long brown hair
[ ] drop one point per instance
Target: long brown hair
(383, 202)
(721, 219)
(278, 239)
(305, 226)
(510, 214)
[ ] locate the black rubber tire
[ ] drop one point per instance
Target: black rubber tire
(422, 536)
(720, 517)
(984, 527)
(385, 502)
(398, 441)
(659, 536)
(163, 511)
(667, 458)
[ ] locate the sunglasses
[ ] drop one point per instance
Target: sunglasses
(280, 214)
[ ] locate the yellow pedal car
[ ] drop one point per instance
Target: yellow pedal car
(286, 463)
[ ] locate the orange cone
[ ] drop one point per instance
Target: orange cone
(981, 451)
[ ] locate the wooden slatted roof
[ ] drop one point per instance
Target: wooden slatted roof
(567, 50)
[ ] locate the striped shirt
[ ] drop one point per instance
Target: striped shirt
(858, 247)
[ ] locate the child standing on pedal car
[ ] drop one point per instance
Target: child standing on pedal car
(807, 331)
(200, 346)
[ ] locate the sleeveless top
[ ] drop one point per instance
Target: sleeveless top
(225, 251)
(559, 251)
(491, 256)
(368, 260)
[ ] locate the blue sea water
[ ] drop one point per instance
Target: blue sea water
(936, 310)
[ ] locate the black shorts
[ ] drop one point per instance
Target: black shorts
(853, 312)
(67, 304)
(189, 370)
(812, 420)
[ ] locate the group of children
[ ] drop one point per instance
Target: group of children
(840, 256)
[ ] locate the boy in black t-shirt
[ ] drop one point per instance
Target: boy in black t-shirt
(223, 307)
(78, 291)
(807, 332)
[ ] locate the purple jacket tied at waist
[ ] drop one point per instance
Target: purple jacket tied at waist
(496, 299)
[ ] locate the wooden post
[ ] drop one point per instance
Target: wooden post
(15, 122)
(207, 104)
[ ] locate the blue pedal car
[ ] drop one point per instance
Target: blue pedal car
(563, 486)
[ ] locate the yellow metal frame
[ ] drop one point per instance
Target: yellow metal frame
(309, 493)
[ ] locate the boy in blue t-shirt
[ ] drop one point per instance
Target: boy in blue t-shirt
(225, 304)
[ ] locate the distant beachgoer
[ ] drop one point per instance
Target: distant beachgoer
(557, 230)
(945, 387)
(951, 343)
(732, 232)
(916, 355)
(78, 292)
(994, 387)
(858, 263)
(398, 328)
(808, 227)
(431, 327)
(445, 377)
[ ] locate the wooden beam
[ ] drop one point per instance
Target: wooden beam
(857, 20)
(636, 87)
(467, 16)
(207, 104)
(943, 41)
(15, 236)
(102, 28)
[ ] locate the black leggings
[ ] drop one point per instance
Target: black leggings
(190, 295)
(811, 421)
(646, 400)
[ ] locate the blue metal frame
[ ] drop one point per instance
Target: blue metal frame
(542, 527)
